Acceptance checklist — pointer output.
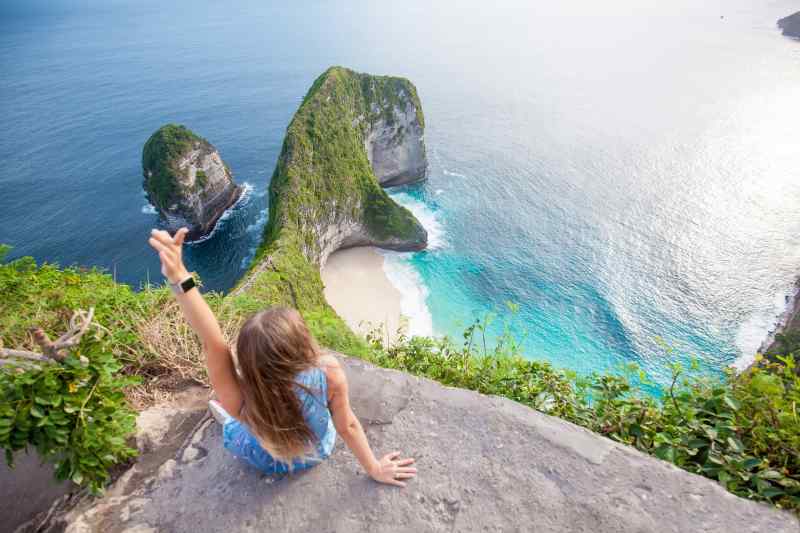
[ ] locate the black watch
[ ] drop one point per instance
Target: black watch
(183, 286)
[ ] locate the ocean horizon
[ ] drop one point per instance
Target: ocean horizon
(624, 174)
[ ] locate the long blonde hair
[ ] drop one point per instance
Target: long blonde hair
(273, 347)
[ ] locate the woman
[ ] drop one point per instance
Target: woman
(282, 411)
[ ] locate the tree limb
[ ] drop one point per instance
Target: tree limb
(51, 350)
(24, 354)
(56, 350)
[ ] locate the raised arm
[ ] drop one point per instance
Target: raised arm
(390, 469)
(219, 362)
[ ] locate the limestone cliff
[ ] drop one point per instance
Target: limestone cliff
(393, 129)
(186, 180)
(324, 194)
(790, 25)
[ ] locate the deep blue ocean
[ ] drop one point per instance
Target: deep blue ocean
(625, 171)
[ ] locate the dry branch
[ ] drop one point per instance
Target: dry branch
(52, 350)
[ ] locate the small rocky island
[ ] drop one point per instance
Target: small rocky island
(186, 180)
(790, 26)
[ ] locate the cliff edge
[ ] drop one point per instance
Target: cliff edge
(186, 180)
(485, 464)
(790, 26)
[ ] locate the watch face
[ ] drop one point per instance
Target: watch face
(187, 284)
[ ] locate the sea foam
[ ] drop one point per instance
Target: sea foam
(427, 216)
(406, 279)
(751, 333)
(247, 191)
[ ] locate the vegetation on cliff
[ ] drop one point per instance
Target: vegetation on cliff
(161, 176)
(741, 431)
(323, 175)
(186, 180)
(323, 180)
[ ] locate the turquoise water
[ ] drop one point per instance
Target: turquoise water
(624, 172)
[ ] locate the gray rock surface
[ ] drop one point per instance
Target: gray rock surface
(396, 148)
(485, 464)
(790, 25)
(27, 489)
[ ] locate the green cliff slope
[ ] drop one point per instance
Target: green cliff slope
(324, 194)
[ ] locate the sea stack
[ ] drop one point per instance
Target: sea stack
(186, 180)
(790, 25)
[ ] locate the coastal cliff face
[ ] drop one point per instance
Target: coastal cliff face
(784, 338)
(324, 194)
(393, 130)
(186, 180)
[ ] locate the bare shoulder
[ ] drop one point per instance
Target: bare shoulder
(333, 369)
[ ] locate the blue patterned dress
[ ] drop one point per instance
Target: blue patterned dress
(240, 442)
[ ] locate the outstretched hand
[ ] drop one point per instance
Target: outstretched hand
(392, 470)
(169, 251)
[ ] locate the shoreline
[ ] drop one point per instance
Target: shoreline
(790, 316)
(358, 289)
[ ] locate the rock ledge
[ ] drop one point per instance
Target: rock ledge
(485, 464)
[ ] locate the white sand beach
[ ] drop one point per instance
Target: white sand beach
(357, 288)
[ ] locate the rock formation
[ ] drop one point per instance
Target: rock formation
(785, 335)
(186, 180)
(791, 25)
(324, 193)
(393, 130)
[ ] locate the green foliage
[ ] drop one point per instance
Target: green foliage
(786, 342)
(201, 180)
(74, 413)
(45, 296)
(162, 149)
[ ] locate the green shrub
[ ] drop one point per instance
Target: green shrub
(74, 413)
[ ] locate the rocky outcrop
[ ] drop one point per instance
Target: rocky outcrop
(787, 328)
(186, 180)
(790, 26)
(394, 134)
(485, 464)
(324, 193)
